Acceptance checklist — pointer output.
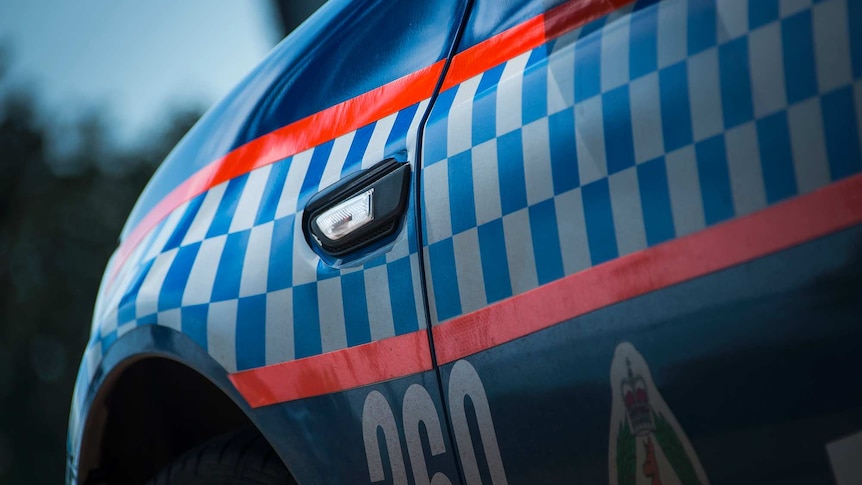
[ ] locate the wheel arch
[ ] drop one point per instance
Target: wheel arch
(154, 395)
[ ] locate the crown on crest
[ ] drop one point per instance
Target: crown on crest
(636, 400)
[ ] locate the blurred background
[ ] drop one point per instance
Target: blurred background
(93, 95)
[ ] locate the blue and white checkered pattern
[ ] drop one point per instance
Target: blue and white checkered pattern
(651, 123)
(232, 270)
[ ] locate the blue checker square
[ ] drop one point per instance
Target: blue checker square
(619, 148)
(306, 321)
(675, 106)
(400, 281)
(461, 203)
(227, 206)
(546, 241)
(227, 280)
(495, 266)
(510, 160)
(599, 219)
(534, 104)
(655, 201)
(776, 157)
(737, 103)
(800, 72)
(194, 323)
(251, 332)
(280, 274)
(444, 279)
(714, 179)
(564, 152)
(355, 309)
(842, 139)
(175, 282)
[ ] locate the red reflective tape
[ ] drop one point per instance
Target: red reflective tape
(781, 226)
(525, 37)
(290, 140)
(335, 371)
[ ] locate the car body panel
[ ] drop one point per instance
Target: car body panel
(569, 188)
(215, 249)
(604, 187)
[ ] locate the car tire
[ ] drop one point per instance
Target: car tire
(238, 457)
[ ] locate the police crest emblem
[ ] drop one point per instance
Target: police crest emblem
(647, 445)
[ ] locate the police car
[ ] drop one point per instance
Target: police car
(481, 242)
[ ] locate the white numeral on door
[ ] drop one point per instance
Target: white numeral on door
(418, 407)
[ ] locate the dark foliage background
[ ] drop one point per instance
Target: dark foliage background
(59, 222)
(60, 217)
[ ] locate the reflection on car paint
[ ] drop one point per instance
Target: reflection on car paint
(464, 383)
(647, 445)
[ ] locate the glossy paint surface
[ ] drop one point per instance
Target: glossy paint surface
(676, 176)
(756, 363)
(388, 42)
(623, 153)
(220, 256)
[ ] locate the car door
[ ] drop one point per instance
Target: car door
(614, 197)
(331, 352)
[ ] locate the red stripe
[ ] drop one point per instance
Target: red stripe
(290, 140)
(335, 371)
(781, 226)
(368, 107)
(525, 37)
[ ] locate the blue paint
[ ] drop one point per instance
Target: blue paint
(306, 321)
(588, 61)
(226, 286)
(495, 265)
(854, 14)
(762, 12)
(461, 202)
(643, 41)
(357, 149)
(185, 221)
(776, 157)
(397, 140)
(272, 191)
(737, 103)
(800, 73)
(510, 166)
(617, 115)
(702, 25)
(194, 323)
(534, 91)
(227, 206)
(311, 182)
(437, 129)
(564, 153)
(546, 241)
(485, 106)
(400, 278)
(126, 312)
(599, 220)
(355, 309)
(171, 295)
(280, 274)
(444, 279)
(353, 52)
(655, 201)
(251, 332)
(714, 180)
(675, 107)
(842, 138)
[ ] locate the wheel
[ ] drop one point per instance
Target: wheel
(238, 457)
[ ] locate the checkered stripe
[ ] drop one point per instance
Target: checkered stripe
(231, 268)
(651, 123)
